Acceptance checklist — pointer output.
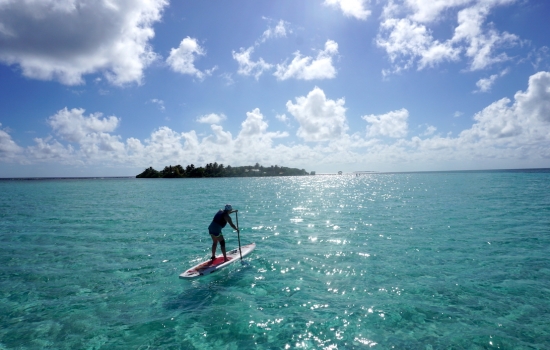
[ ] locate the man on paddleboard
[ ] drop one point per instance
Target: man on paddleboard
(215, 229)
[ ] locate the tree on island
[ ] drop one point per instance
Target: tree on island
(149, 173)
(219, 170)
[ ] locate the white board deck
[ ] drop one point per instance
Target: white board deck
(209, 266)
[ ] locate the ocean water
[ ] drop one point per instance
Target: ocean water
(453, 260)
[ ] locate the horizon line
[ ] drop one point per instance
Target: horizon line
(357, 172)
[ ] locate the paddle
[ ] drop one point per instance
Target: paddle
(239, 235)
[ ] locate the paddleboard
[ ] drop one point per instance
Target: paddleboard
(209, 266)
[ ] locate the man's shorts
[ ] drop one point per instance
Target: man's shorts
(215, 230)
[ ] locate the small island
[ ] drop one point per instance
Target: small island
(219, 170)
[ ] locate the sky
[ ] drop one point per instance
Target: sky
(111, 87)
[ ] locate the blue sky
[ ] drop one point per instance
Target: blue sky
(111, 87)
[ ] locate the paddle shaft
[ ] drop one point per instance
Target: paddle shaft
(238, 234)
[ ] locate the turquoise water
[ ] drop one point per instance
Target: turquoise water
(456, 260)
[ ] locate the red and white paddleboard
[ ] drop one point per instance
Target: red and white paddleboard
(209, 266)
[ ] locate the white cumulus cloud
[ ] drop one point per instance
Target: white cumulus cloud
(392, 124)
(308, 68)
(485, 84)
(408, 43)
(320, 119)
(249, 67)
(211, 118)
(481, 45)
(72, 125)
(159, 103)
(406, 34)
(351, 8)
(424, 11)
(51, 150)
(182, 59)
(65, 40)
(8, 148)
(279, 31)
(535, 102)
(90, 135)
(430, 130)
(220, 137)
(526, 120)
(254, 134)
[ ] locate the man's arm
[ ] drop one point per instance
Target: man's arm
(230, 222)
